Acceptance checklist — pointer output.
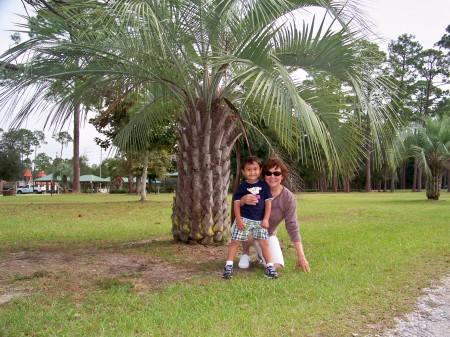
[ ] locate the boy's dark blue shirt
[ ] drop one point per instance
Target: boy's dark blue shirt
(261, 190)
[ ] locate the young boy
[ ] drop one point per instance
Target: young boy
(253, 218)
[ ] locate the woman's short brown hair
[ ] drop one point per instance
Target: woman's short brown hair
(276, 162)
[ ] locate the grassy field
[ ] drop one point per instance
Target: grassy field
(105, 265)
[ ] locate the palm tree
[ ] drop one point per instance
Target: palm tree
(64, 170)
(213, 60)
(50, 23)
(64, 138)
(430, 145)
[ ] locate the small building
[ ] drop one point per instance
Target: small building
(50, 184)
(41, 174)
(92, 183)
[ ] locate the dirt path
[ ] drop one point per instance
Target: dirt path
(432, 316)
(81, 271)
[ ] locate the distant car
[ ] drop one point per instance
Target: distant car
(27, 189)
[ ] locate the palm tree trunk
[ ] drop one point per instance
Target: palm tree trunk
(444, 180)
(65, 183)
(144, 178)
(323, 184)
(368, 186)
(419, 179)
(448, 180)
(392, 189)
(335, 180)
(416, 165)
(346, 182)
(403, 176)
(433, 184)
(130, 184)
(200, 211)
(76, 149)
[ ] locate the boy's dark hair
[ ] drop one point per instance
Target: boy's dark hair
(250, 160)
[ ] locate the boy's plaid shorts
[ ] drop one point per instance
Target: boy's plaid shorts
(258, 232)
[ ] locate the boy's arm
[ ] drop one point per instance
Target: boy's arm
(267, 209)
(237, 214)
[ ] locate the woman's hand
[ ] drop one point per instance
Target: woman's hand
(249, 199)
(303, 264)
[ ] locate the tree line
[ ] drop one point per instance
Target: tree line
(420, 98)
(19, 152)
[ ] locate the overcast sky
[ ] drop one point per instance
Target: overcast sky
(426, 20)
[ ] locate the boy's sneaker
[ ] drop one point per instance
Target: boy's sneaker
(227, 272)
(271, 272)
(244, 261)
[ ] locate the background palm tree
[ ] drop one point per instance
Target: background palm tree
(63, 170)
(214, 61)
(430, 145)
(63, 138)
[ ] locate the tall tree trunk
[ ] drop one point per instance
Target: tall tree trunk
(444, 180)
(419, 178)
(393, 173)
(335, 180)
(76, 149)
(368, 186)
(65, 183)
(416, 165)
(385, 179)
(323, 184)
(131, 184)
(448, 180)
(201, 211)
(346, 182)
(403, 176)
(144, 178)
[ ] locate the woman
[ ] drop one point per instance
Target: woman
(284, 207)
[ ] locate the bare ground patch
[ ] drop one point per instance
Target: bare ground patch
(54, 271)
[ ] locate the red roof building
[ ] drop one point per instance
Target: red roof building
(28, 177)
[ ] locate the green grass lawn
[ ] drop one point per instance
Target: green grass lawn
(370, 254)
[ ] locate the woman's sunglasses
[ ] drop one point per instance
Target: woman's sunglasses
(268, 173)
